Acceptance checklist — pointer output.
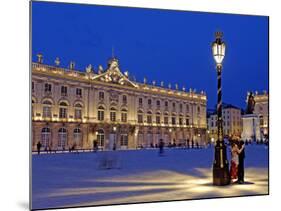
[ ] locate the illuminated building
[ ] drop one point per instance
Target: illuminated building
(71, 107)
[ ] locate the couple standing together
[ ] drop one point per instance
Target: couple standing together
(237, 161)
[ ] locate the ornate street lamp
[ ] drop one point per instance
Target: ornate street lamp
(220, 165)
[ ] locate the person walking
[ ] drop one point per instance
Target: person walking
(241, 147)
(39, 147)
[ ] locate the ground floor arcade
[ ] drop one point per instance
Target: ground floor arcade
(63, 136)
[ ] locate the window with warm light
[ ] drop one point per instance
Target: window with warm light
(62, 138)
(47, 109)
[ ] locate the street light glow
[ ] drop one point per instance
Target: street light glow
(218, 48)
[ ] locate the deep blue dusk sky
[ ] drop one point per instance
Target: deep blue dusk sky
(162, 45)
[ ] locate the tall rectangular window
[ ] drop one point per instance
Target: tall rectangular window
(180, 107)
(78, 114)
(173, 120)
(101, 95)
(63, 113)
(158, 103)
(157, 119)
(101, 115)
(64, 91)
(79, 92)
(187, 121)
(47, 112)
(140, 101)
(124, 140)
(149, 119)
(166, 120)
(140, 118)
(187, 108)
(124, 99)
(180, 121)
(48, 87)
(124, 117)
(113, 116)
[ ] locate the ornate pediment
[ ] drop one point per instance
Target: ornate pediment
(114, 75)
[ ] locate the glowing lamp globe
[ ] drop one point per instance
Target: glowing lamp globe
(218, 48)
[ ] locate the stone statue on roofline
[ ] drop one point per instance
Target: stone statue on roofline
(100, 69)
(250, 104)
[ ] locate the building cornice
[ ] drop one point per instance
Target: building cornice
(89, 79)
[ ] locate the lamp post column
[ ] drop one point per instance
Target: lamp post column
(220, 166)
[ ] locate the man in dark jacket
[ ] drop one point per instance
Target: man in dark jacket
(38, 147)
(241, 163)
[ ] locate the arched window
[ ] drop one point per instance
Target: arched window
(77, 135)
(62, 138)
(45, 137)
(78, 111)
(63, 110)
(100, 113)
(149, 117)
(100, 137)
(47, 109)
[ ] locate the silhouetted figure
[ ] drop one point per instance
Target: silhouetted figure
(197, 145)
(161, 147)
(73, 148)
(241, 163)
(39, 147)
(95, 146)
(192, 144)
(187, 143)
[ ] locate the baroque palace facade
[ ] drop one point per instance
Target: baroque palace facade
(74, 108)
